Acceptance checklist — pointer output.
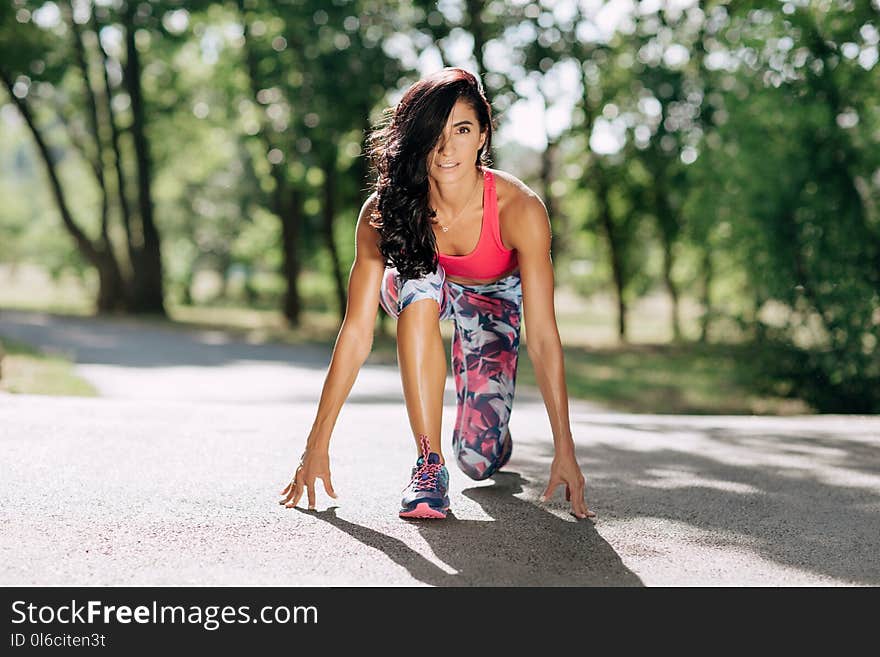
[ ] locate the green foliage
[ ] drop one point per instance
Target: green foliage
(804, 234)
(745, 158)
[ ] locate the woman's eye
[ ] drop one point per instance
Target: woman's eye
(465, 129)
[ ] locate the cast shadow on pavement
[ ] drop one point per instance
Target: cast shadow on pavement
(523, 545)
(129, 343)
(807, 502)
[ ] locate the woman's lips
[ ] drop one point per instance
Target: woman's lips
(448, 167)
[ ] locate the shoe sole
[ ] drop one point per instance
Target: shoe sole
(423, 510)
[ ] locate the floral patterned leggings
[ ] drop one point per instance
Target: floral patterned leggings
(485, 347)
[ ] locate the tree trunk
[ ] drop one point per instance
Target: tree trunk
(328, 216)
(706, 295)
(615, 250)
(286, 202)
(109, 279)
(121, 193)
(557, 223)
(112, 291)
(671, 287)
(92, 114)
(760, 334)
(668, 227)
(148, 296)
(112, 295)
(290, 212)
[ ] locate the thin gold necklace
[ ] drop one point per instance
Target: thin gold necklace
(458, 214)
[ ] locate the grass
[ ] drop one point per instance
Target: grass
(650, 375)
(689, 378)
(26, 370)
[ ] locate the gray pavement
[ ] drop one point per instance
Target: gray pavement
(171, 478)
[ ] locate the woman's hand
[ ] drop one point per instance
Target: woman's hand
(565, 470)
(314, 464)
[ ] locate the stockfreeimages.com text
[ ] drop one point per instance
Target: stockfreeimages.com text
(210, 616)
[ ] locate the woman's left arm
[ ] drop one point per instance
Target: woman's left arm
(530, 236)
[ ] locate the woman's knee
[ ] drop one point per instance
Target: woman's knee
(425, 307)
(479, 466)
(478, 471)
(477, 474)
(428, 287)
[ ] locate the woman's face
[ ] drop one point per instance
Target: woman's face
(456, 149)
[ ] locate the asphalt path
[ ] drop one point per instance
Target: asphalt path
(172, 476)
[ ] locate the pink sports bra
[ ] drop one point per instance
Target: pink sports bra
(490, 259)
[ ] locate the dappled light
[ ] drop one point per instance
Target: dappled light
(200, 206)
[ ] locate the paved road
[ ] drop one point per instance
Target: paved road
(171, 478)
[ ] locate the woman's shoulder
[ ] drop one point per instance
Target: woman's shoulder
(517, 203)
(369, 213)
(515, 200)
(512, 192)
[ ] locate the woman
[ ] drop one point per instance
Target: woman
(427, 250)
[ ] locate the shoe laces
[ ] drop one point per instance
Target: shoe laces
(425, 475)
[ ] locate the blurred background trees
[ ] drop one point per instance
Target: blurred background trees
(722, 154)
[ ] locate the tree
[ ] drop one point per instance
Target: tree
(27, 50)
(321, 103)
(57, 56)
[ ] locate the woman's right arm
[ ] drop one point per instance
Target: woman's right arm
(355, 339)
(353, 345)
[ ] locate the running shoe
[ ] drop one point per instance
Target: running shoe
(426, 495)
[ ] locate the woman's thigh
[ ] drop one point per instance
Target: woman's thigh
(485, 350)
(395, 295)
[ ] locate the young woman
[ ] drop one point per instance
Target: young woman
(443, 236)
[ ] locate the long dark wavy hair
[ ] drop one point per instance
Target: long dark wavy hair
(398, 150)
